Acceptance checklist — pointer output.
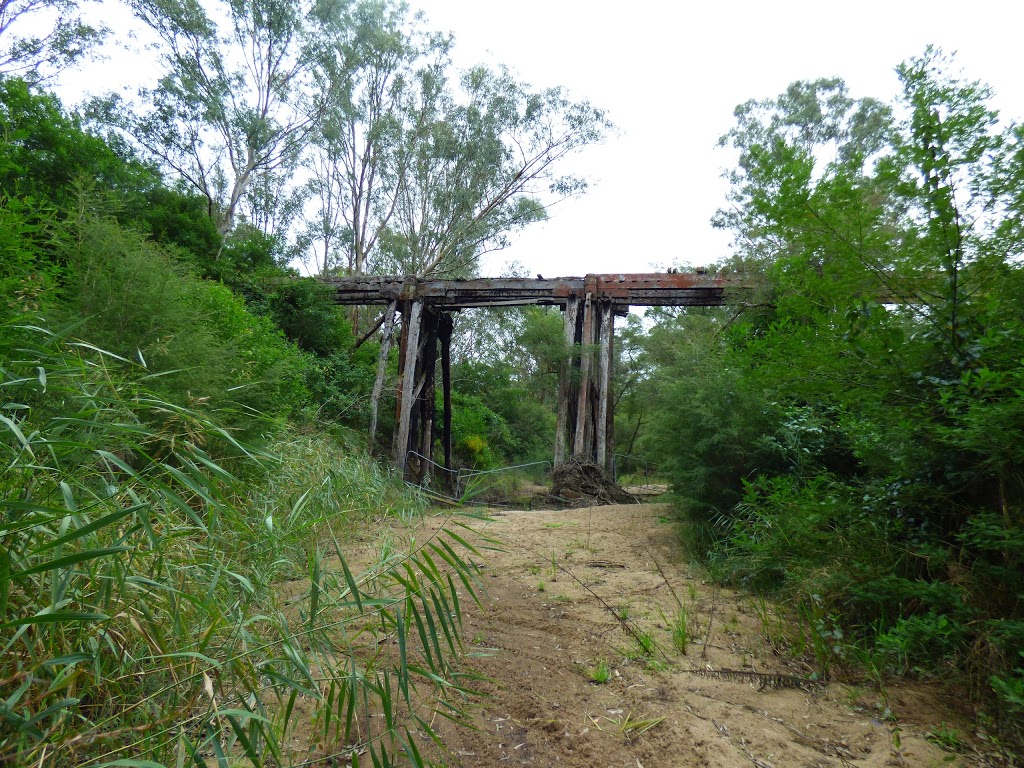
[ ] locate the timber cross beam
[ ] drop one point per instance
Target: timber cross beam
(585, 419)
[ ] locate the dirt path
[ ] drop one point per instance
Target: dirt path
(549, 621)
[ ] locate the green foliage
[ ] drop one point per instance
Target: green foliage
(34, 49)
(504, 410)
(305, 311)
(137, 300)
(27, 276)
(248, 258)
(925, 641)
(712, 434)
(157, 606)
(601, 673)
(680, 630)
(478, 433)
(854, 431)
(46, 155)
(44, 152)
(1010, 690)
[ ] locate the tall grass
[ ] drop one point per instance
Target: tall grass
(142, 617)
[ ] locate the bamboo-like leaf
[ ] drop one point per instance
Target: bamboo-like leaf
(69, 497)
(5, 581)
(403, 658)
(240, 734)
(429, 615)
(352, 588)
(55, 707)
(287, 714)
(181, 504)
(427, 565)
(63, 562)
(218, 750)
(56, 617)
(293, 685)
(94, 348)
(117, 462)
(190, 483)
(455, 599)
(444, 617)
(246, 584)
(85, 530)
(411, 752)
(314, 597)
(298, 662)
(465, 544)
(387, 704)
(422, 633)
(18, 434)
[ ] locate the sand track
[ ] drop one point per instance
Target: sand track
(550, 617)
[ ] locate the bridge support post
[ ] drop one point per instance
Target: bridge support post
(387, 333)
(604, 423)
(584, 425)
(407, 363)
(444, 331)
(586, 404)
(566, 390)
(423, 330)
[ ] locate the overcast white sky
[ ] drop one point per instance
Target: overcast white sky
(670, 75)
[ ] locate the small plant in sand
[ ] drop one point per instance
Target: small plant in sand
(628, 727)
(680, 632)
(678, 628)
(947, 737)
(645, 643)
(601, 673)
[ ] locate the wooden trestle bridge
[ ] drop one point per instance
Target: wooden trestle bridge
(590, 305)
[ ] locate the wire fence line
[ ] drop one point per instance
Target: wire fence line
(461, 475)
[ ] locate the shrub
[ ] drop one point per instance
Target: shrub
(142, 615)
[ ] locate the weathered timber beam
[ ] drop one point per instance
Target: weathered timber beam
(382, 362)
(604, 383)
(623, 290)
(445, 335)
(411, 343)
(582, 439)
(564, 380)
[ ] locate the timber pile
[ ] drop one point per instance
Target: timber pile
(587, 483)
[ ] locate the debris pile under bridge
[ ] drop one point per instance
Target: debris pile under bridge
(587, 483)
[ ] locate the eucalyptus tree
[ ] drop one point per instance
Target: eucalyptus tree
(371, 51)
(484, 159)
(417, 170)
(233, 104)
(59, 38)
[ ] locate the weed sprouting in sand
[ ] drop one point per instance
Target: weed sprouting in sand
(680, 631)
(600, 673)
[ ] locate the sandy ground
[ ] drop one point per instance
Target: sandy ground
(558, 600)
